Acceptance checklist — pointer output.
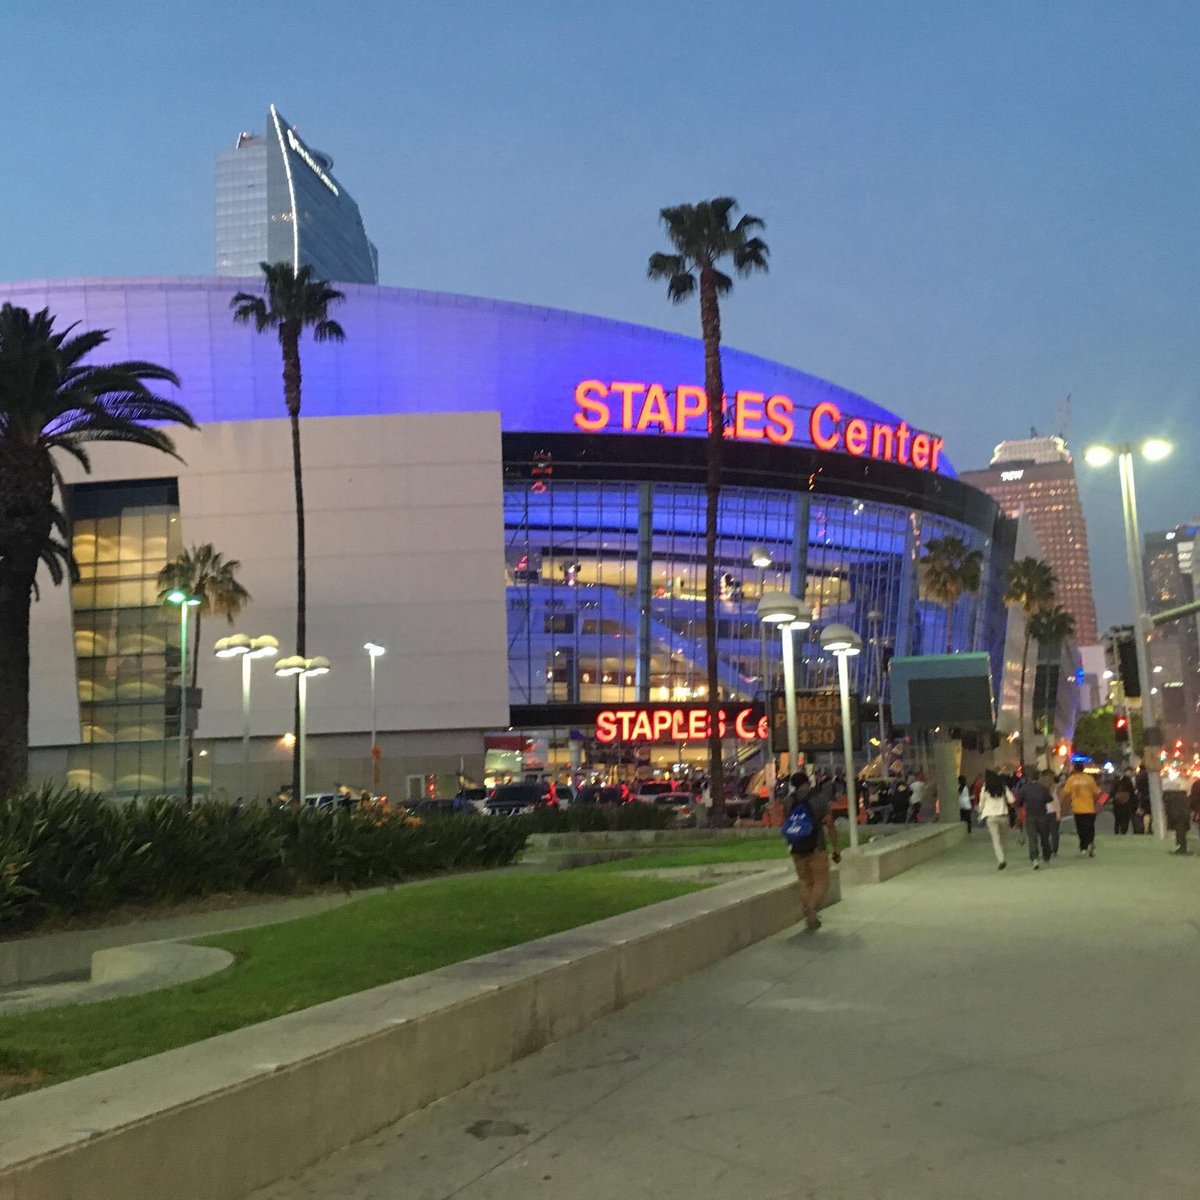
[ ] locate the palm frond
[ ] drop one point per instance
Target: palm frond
(328, 331)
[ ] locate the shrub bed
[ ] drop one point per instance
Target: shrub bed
(69, 854)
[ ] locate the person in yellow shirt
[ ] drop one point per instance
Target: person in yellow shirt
(1082, 794)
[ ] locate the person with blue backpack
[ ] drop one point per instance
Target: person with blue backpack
(809, 817)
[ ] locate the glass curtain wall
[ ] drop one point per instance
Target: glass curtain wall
(605, 588)
(126, 644)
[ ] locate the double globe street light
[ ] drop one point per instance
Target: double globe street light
(1153, 449)
(238, 645)
(843, 643)
(784, 611)
(303, 669)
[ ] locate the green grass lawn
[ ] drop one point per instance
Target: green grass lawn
(282, 968)
(744, 850)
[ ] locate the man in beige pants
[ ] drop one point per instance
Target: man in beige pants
(812, 864)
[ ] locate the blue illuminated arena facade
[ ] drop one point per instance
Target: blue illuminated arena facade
(602, 435)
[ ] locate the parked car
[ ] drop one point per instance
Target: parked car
(684, 804)
(471, 799)
(511, 798)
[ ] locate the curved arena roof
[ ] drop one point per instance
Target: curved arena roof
(412, 351)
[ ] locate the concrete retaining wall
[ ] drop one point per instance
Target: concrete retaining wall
(888, 857)
(214, 1120)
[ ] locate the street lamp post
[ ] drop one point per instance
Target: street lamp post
(875, 620)
(843, 643)
(785, 611)
(1154, 449)
(374, 651)
(185, 600)
(304, 668)
(760, 560)
(238, 645)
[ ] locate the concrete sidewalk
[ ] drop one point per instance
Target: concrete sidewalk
(958, 1033)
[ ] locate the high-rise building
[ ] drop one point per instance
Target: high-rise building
(1036, 475)
(1172, 579)
(278, 200)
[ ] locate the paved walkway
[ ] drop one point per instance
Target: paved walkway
(958, 1033)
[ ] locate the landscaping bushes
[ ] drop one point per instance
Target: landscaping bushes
(69, 853)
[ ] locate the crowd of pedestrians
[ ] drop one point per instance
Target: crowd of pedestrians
(1032, 807)
(1029, 808)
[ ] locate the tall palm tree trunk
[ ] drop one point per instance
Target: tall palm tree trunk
(16, 587)
(26, 507)
(710, 322)
(290, 340)
(950, 627)
(1021, 698)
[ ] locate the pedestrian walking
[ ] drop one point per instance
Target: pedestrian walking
(918, 797)
(1124, 798)
(1037, 798)
(1082, 794)
(965, 811)
(1141, 809)
(1054, 813)
(810, 818)
(995, 801)
(1178, 808)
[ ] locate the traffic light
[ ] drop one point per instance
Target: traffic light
(1121, 729)
(1127, 662)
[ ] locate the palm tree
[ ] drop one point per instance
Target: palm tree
(1050, 627)
(948, 570)
(295, 301)
(212, 578)
(1031, 585)
(703, 238)
(51, 400)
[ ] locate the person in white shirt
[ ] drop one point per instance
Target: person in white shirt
(918, 797)
(994, 802)
(965, 811)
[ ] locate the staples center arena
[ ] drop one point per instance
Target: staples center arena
(508, 499)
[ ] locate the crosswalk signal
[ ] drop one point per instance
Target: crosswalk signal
(1121, 729)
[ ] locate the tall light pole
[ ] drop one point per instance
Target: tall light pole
(305, 668)
(238, 645)
(374, 651)
(185, 600)
(875, 620)
(760, 560)
(787, 613)
(843, 643)
(1153, 449)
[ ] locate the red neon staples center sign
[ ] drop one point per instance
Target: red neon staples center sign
(750, 417)
(674, 723)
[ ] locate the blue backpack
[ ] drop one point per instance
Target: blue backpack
(800, 830)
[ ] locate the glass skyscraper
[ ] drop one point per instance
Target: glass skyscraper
(277, 200)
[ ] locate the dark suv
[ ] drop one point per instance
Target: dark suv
(511, 798)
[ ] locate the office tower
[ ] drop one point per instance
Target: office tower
(1170, 565)
(1036, 475)
(277, 200)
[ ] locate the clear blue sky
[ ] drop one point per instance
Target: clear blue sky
(973, 209)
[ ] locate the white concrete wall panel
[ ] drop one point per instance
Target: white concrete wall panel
(405, 548)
